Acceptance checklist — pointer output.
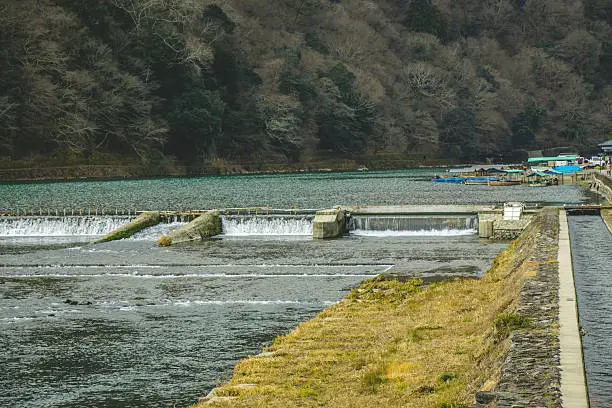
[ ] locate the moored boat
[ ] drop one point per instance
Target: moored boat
(439, 179)
(480, 180)
(504, 182)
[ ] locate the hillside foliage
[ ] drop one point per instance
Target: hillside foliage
(290, 81)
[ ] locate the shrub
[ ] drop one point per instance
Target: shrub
(447, 377)
(372, 379)
(164, 241)
(507, 322)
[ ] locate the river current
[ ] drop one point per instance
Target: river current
(128, 323)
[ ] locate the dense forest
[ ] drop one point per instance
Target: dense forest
(260, 83)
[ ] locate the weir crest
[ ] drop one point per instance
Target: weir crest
(397, 225)
(60, 226)
(266, 225)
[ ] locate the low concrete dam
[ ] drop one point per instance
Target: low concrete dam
(487, 221)
(376, 225)
(300, 225)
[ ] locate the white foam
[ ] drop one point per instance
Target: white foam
(266, 226)
(419, 233)
(153, 233)
(59, 226)
(398, 226)
(199, 275)
(249, 302)
(202, 303)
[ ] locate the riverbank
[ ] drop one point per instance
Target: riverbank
(132, 168)
(110, 172)
(405, 344)
(84, 172)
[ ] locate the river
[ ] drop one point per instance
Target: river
(312, 190)
(128, 323)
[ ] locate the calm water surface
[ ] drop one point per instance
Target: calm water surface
(591, 244)
(127, 323)
(281, 191)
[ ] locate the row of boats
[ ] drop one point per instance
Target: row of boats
(486, 180)
(509, 175)
(496, 181)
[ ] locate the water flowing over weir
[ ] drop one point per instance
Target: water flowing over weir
(60, 226)
(153, 233)
(239, 226)
(434, 225)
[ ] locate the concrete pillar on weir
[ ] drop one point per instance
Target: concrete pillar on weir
(329, 224)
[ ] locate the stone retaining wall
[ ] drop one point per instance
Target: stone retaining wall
(509, 229)
(602, 184)
(530, 374)
(606, 180)
(494, 226)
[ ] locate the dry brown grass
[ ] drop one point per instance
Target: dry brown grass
(164, 240)
(389, 344)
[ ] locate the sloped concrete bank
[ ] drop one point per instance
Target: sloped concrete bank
(205, 226)
(144, 220)
(531, 376)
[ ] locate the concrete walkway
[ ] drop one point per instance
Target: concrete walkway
(573, 383)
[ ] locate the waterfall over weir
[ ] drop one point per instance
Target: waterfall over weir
(408, 225)
(60, 226)
(240, 226)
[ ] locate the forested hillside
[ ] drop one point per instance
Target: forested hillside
(295, 82)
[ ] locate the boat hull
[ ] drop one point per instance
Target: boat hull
(449, 180)
(480, 180)
(504, 183)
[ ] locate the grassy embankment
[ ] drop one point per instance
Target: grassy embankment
(392, 344)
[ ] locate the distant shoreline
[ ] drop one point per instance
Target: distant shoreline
(110, 172)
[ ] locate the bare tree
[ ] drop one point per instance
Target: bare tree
(138, 10)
